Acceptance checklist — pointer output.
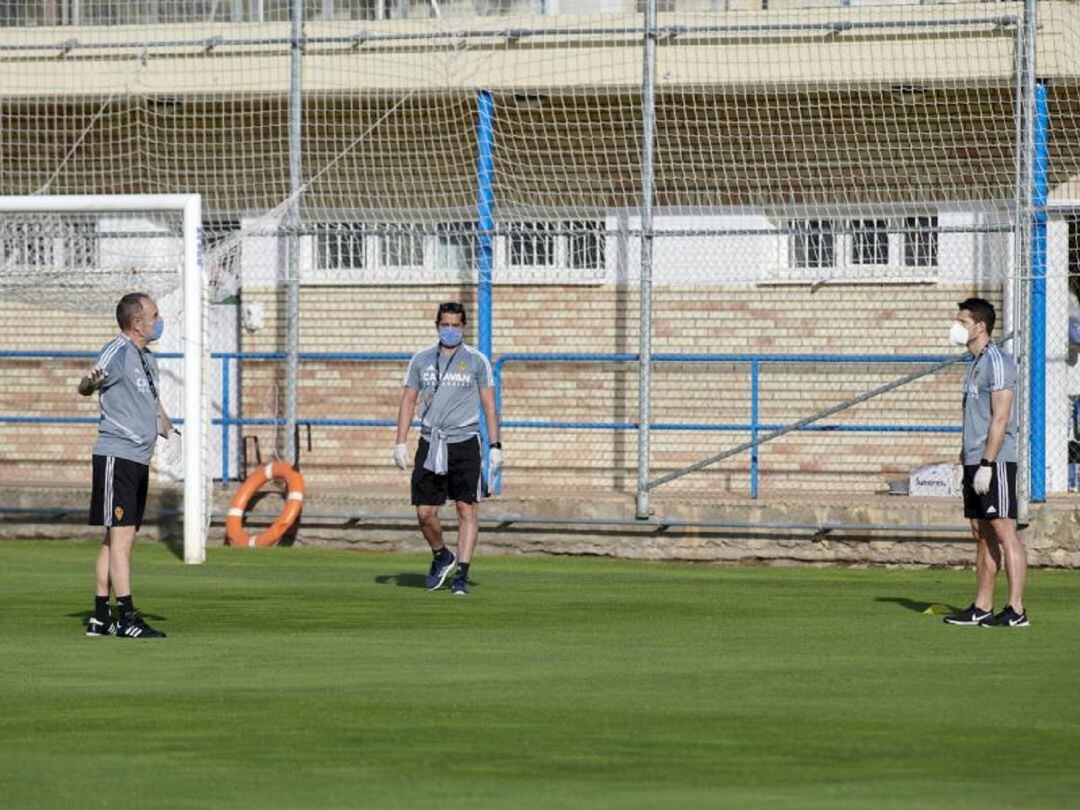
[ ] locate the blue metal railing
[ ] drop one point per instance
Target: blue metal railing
(753, 426)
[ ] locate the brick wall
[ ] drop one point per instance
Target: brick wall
(837, 320)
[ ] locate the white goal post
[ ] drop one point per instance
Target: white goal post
(20, 272)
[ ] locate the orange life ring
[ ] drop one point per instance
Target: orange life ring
(294, 501)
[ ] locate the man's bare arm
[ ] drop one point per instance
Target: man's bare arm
(487, 399)
(165, 425)
(1000, 408)
(406, 410)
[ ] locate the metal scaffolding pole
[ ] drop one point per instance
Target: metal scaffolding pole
(1025, 316)
(648, 124)
(292, 272)
(1039, 193)
(1017, 298)
(485, 252)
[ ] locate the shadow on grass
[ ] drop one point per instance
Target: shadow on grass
(170, 526)
(401, 580)
(914, 605)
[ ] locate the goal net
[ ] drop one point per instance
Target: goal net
(69, 259)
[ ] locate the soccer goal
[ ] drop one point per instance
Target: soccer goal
(80, 254)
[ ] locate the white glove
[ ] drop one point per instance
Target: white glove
(495, 459)
(171, 448)
(981, 484)
(401, 456)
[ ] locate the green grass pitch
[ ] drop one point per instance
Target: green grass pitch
(313, 678)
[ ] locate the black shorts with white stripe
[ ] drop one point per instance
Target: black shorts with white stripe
(1000, 499)
(462, 482)
(118, 497)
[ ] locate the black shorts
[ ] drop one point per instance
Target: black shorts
(999, 501)
(118, 497)
(462, 479)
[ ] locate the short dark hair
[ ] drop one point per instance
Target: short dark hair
(451, 307)
(982, 311)
(130, 306)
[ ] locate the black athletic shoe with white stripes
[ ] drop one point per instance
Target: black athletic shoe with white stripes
(99, 628)
(1006, 618)
(441, 566)
(460, 586)
(970, 616)
(132, 626)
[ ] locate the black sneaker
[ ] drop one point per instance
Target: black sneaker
(440, 569)
(460, 586)
(971, 616)
(132, 626)
(99, 628)
(1007, 618)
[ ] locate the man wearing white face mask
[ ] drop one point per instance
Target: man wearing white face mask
(989, 456)
(451, 381)
(126, 375)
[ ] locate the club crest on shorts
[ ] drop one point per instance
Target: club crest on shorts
(118, 513)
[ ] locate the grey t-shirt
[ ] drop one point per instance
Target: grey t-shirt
(127, 427)
(449, 389)
(991, 371)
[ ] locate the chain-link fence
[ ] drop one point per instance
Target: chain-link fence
(810, 187)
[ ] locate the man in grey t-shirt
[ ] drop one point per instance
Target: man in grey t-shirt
(449, 382)
(126, 376)
(989, 457)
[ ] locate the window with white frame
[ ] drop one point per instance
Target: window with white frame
(28, 244)
(340, 246)
(46, 244)
(869, 242)
(533, 251)
(400, 247)
(812, 243)
(524, 252)
(531, 244)
(375, 253)
(585, 249)
(921, 242)
(454, 246)
(81, 245)
(868, 248)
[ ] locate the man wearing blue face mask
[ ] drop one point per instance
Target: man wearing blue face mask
(450, 380)
(126, 375)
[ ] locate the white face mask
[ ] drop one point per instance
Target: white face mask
(958, 334)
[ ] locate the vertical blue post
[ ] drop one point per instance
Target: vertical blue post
(753, 427)
(1037, 412)
(224, 419)
(485, 245)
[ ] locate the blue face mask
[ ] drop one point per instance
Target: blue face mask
(450, 335)
(159, 328)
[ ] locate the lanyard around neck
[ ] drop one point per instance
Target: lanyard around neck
(440, 370)
(146, 371)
